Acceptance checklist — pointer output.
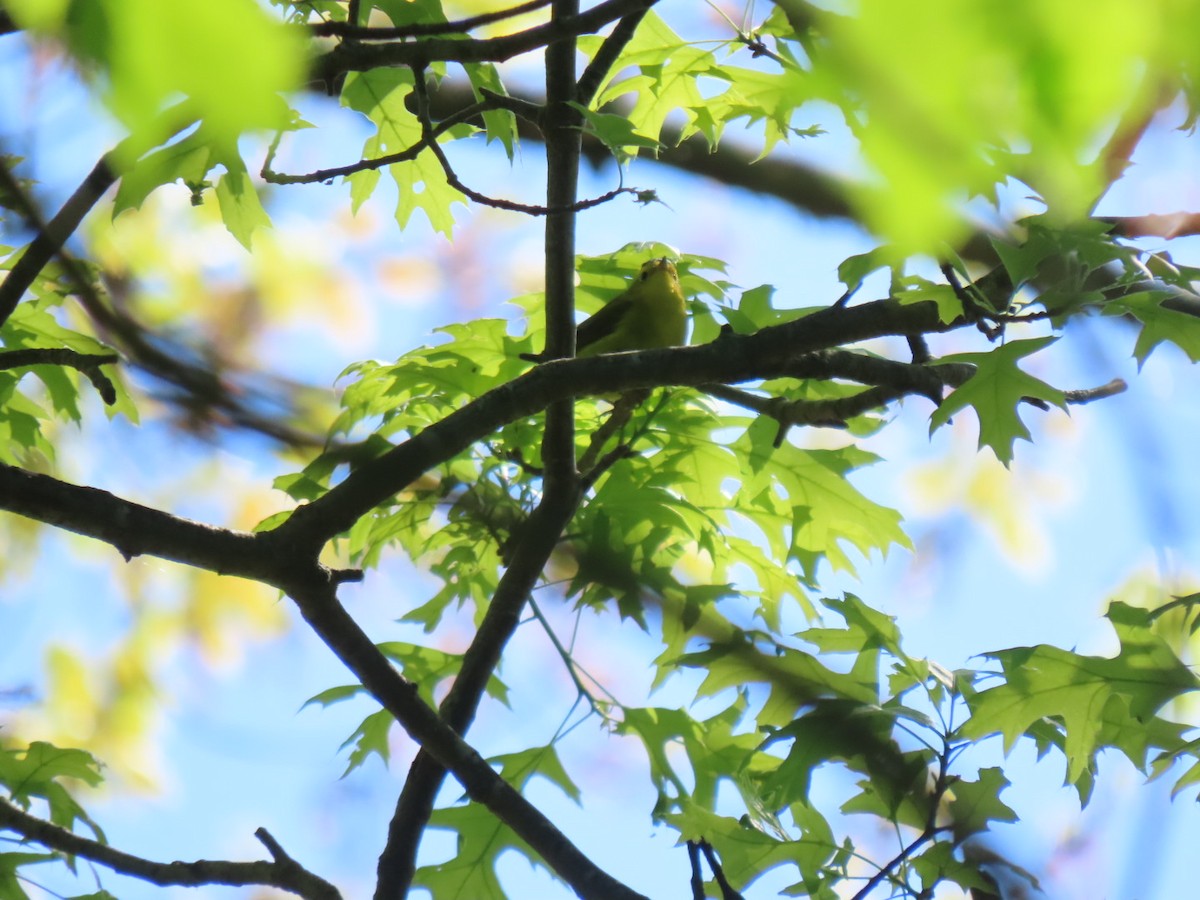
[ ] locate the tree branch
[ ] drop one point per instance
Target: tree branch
(358, 57)
(329, 619)
(49, 237)
(807, 189)
(287, 556)
(87, 363)
(891, 380)
(284, 557)
(538, 537)
(283, 872)
(134, 529)
(1163, 225)
(350, 28)
(768, 353)
(597, 70)
(552, 208)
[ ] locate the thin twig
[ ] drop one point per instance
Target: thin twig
(940, 785)
(455, 182)
(406, 155)
(1087, 395)
(617, 419)
(569, 663)
(358, 56)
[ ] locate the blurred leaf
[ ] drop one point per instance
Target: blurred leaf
(153, 52)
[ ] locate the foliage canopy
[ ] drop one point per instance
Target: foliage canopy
(680, 489)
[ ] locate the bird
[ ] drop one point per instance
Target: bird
(649, 314)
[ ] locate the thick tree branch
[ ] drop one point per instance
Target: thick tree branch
(283, 557)
(359, 57)
(540, 534)
(283, 872)
(131, 528)
(768, 353)
(350, 28)
(136, 529)
(562, 136)
(538, 537)
(400, 697)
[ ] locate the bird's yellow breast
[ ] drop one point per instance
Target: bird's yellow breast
(655, 313)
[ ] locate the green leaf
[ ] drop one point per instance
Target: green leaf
(853, 270)
(995, 391)
(499, 124)
(35, 772)
(617, 133)
(668, 68)
(29, 772)
(768, 97)
(897, 788)
(974, 805)
(155, 51)
(471, 872)
(371, 737)
(819, 505)
(1098, 701)
(334, 695)
(745, 852)
(241, 210)
(38, 15)
(795, 678)
(188, 159)
(520, 767)
(938, 864)
(947, 106)
(949, 305)
(427, 667)
(1159, 324)
(854, 732)
(380, 94)
(11, 882)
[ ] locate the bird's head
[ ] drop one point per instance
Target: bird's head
(661, 268)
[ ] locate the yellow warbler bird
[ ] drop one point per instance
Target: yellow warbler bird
(650, 313)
